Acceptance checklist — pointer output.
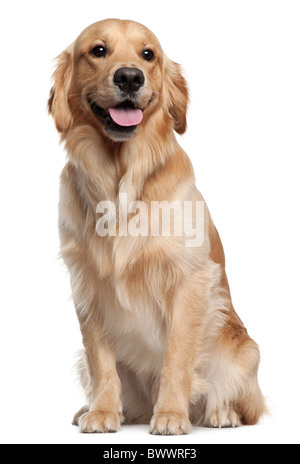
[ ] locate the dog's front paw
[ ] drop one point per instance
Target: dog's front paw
(99, 422)
(170, 423)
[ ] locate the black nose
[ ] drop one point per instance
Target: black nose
(129, 79)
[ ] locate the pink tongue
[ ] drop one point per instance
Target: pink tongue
(126, 117)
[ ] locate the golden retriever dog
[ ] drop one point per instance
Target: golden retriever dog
(163, 344)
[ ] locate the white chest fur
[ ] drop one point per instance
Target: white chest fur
(138, 331)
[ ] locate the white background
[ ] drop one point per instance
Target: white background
(241, 59)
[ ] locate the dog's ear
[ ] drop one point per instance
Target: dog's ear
(175, 94)
(58, 104)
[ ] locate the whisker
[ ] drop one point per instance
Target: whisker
(74, 94)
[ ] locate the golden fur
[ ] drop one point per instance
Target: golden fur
(162, 342)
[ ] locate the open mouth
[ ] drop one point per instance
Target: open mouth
(122, 119)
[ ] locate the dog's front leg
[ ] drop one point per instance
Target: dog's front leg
(171, 413)
(105, 410)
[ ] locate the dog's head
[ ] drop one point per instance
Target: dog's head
(115, 76)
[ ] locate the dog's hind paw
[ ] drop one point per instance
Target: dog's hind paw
(223, 418)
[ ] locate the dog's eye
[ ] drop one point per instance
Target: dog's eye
(98, 51)
(148, 55)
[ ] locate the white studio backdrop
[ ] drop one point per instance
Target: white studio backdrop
(241, 59)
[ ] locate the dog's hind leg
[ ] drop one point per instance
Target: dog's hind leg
(136, 396)
(235, 397)
(78, 415)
